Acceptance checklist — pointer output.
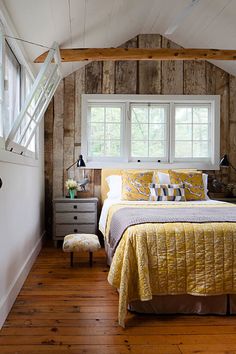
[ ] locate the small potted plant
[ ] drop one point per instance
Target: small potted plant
(71, 185)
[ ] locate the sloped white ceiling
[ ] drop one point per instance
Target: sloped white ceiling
(107, 23)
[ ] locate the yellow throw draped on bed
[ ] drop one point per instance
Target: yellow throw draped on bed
(173, 258)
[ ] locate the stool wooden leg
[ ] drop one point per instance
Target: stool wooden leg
(91, 258)
(71, 259)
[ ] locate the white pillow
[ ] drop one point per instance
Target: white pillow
(115, 187)
(205, 182)
(164, 178)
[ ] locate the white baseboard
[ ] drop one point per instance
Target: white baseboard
(9, 299)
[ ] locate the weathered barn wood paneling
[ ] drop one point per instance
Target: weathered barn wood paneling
(149, 72)
(172, 73)
(232, 126)
(126, 72)
(108, 77)
(63, 117)
(58, 141)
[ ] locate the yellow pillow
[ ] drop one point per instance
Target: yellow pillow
(193, 183)
(135, 185)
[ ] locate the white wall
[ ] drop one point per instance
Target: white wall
(21, 222)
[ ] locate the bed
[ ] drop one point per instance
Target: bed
(171, 267)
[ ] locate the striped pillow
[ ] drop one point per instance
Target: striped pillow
(167, 192)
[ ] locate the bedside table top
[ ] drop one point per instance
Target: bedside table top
(225, 199)
(75, 200)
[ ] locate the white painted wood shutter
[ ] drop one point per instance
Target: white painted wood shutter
(36, 103)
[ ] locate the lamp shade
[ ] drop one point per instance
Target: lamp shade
(80, 162)
(224, 162)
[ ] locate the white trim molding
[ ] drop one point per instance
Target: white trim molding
(8, 301)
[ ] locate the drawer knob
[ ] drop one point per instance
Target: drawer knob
(75, 230)
(75, 206)
(75, 217)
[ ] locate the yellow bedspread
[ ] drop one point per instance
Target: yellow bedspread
(173, 258)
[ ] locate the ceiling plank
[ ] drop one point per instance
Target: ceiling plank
(102, 54)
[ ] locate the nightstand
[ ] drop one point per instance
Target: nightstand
(225, 199)
(72, 216)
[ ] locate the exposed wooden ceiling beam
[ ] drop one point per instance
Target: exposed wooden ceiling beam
(101, 54)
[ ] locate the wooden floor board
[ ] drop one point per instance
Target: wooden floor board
(64, 310)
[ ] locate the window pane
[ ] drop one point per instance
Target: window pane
(96, 148)
(97, 114)
(157, 148)
(139, 114)
(139, 148)
(32, 144)
(183, 149)
(183, 115)
(113, 114)
(156, 132)
(192, 138)
(183, 132)
(112, 148)
(200, 115)
(200, 132)
(112, 131)
(157, 115)
(139, 131)
(200, 149)
(97, 131)
(148, 130)
(12, 89)
(105, 130)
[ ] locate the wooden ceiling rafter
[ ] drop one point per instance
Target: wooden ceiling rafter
(120, 54)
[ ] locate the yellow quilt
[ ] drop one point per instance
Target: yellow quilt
(173, 258)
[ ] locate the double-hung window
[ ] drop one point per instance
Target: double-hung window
(134, 130)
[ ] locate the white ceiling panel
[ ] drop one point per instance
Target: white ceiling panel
(106, 23)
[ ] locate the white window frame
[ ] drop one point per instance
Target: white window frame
(171, 100)
(149, 159)
(123, 128)
(2, 76)
(210, 132)
(37, 115)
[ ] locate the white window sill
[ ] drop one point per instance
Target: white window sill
(11, 157)
(153, 165)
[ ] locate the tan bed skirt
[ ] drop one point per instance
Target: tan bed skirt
(183, 304)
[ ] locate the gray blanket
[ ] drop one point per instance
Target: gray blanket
(125, 217)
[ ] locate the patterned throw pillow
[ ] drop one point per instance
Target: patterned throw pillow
(135, 184)
(167, 192)
(193, 183)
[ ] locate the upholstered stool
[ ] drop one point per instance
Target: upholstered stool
(81, 243)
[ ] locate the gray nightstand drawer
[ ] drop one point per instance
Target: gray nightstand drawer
(62, 230)
(72, 218)
(75, 207)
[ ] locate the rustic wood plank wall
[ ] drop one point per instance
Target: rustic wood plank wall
(63, 117)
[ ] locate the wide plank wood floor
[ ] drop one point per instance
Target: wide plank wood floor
(74, 310)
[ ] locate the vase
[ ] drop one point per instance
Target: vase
(72, 193)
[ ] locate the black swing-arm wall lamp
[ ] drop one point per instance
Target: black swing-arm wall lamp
(80, 163)
(84, 181)
(224, 162)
